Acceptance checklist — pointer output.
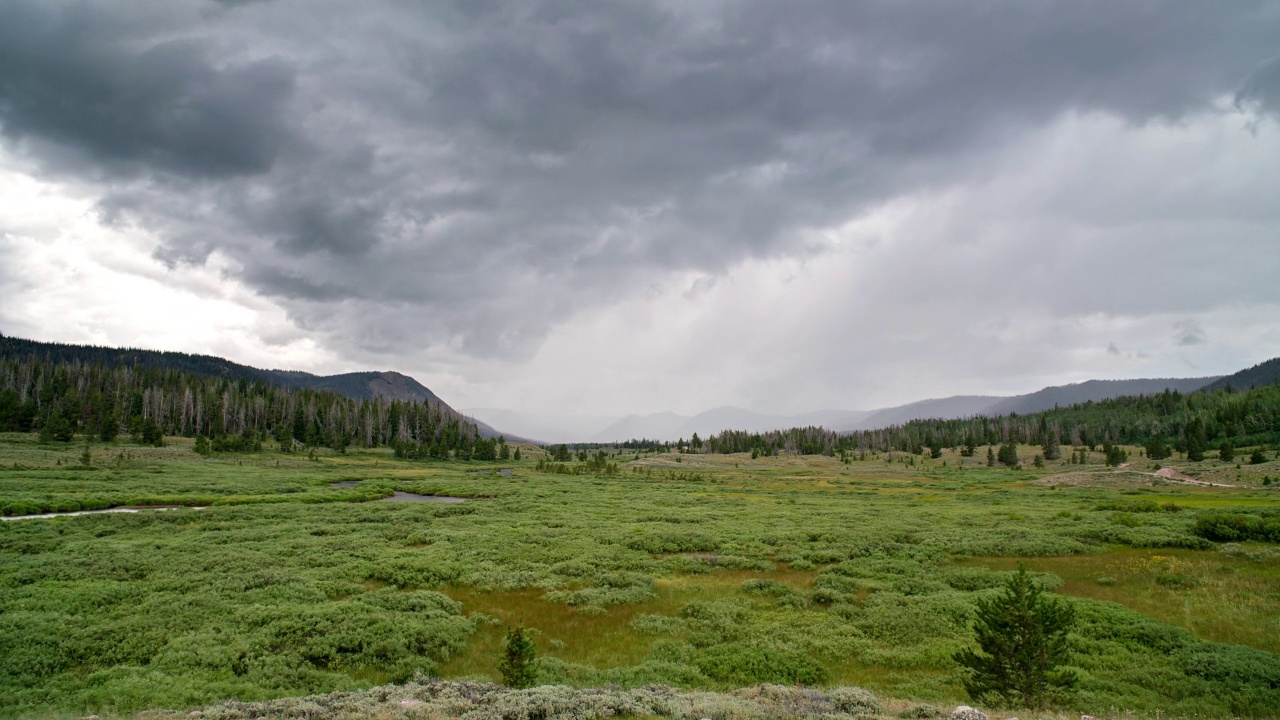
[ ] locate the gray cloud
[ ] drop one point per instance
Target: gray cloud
(76, 78)
(1261, 89)
(1188, 333)
(470, 176)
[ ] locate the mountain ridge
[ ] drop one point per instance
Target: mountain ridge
(1264, 373)
(359, 385)
(669, 426)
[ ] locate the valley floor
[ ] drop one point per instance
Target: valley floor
(703, 572)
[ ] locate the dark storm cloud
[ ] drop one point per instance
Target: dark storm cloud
(473, 174)
(75, 77)
(1261, 88)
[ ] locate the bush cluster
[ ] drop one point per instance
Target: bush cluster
(1237, 527)
(481, 701)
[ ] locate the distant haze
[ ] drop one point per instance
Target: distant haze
(670, 426)
(583, 212)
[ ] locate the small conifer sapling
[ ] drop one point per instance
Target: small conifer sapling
(519, 659)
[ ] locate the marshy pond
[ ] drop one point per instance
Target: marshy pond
(399, 496)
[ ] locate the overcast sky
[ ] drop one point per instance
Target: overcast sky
(629, 207)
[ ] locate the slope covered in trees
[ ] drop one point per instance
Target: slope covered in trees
(63, 396)
(1260, 375)
(356, 385)
(1191, 423)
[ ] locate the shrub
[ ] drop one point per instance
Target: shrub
(737, 664)
(620, 588)
(1237, 527)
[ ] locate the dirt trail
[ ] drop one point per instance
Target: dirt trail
(1171, 474)
(1123, 475)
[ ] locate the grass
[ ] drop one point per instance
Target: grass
(1229, 597)
(714, 572)
(604, 640)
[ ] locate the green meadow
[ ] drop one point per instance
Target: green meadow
(698, 571)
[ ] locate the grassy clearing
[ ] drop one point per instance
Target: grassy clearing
(607, 639)
(712, 572)
(1229, 597)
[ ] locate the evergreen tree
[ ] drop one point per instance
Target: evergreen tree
(1052, 450)
(57, 428)
(1156, 449)
(518, 660)
(283, 435)
(149, 432)
(1195, 440)
(1226, 452)
(1022, 637)
(1008, 454)
(1115, 455)
(485, 450)
(991, 457)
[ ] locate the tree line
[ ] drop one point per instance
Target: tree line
(1171, 421)
(65, 399)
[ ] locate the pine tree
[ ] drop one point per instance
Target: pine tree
(1156, 449)
(57, 428)
(1195, 440)
(1008, 454)
(1226, 452)
(1022, 636)
(1052, 450)
(991, 457)
(518, 660)
(1115, 455)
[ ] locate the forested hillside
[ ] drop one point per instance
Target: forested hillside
(356, 385)
(1260, 375)
(1189, 423)
(63, 397)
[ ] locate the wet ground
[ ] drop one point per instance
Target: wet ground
(413, 497)
(404, 496)
(95, 512)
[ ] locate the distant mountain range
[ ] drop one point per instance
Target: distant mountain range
(664, 426)
(667, 426)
